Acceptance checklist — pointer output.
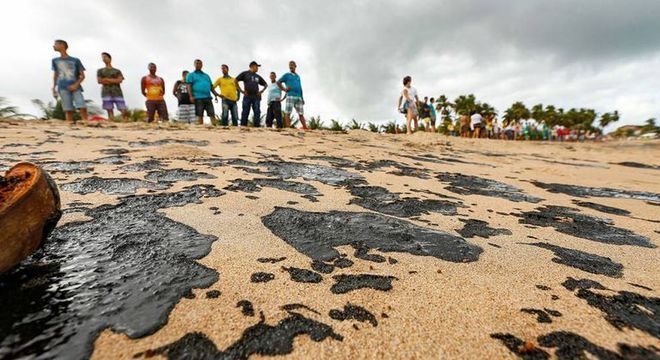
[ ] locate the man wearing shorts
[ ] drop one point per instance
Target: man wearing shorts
(186, 110)
(153, 88)
(68, 74)
(251, 95)
(201, 88)
(294, 94)
(274, 103)
(425, 113)
(476, 123)
(111, 94)
(229, 95)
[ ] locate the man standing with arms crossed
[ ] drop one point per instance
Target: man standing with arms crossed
(229, 95)
(68, 74)
(201, 88)
(251, 95)
(294, 93)
(111, 94)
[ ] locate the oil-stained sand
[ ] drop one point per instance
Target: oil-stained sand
(360, 246)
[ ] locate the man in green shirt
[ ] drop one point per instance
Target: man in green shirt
(111, 94)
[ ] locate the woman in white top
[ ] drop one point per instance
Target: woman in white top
(410, 100)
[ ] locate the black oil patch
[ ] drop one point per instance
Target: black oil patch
(381, 200)
(114, 151)
(310, 172)
(626, 310)
(343, 263)
(517, 346)
(68, 167)
(585, 191)
(317, 235)
(246, 307)
(174, 175)
(474, 185)
(213, 294)
(570, 221)
(572, 284)
(602, 208)
(322, 267)
(123, 270)
(362, 253)
(584, 261)
(542, 315)
(292, 307)
(161, 142)
(474, 227)
(637, 165)
(147, 165)
(543, 287)
(110, 186)
(255, 185)
(271, 260)
(260, 339)
(303, 275)
(262, 277)
(570, 346)
(641, 286)
(113, 160)
(354, 312)
(347, 283)
(573, 346)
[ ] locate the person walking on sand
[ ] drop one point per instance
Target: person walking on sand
(68, 75)
(425, 113)
(201, 88)
(251, 95)
(274, 102)
(409, 106)
(294, 94)
(153, 88)
(434, 114)
(110, 79)
(186, 108)
(229, 95)
(476, 123)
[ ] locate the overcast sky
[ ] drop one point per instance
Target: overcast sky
(352, 55)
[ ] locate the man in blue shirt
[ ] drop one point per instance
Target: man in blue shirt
(274, 103)
(294, 94)
(68, 74)
(200, 88)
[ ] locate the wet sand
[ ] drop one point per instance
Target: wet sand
(235, 243)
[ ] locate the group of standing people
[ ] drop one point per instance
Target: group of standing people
(414, 109)
(195, 92)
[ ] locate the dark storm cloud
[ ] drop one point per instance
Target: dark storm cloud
(353, 54)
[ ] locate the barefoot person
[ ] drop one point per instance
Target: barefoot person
(425, 114)
(251, 95)
(201, 88)
(229, 95)
(476, 123)
(110, 79)
(294, 94)
(409, 106)
(186, 109)
(274, 102)
(153, 88)
(68, 74)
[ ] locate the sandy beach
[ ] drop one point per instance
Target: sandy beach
(188, 242)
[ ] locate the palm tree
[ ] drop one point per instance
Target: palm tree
(609, 118)
(373, 127)
(516, 112)
(465, 104)
(390, 128)
(650, 127)
(6, 110)
(443, 106)
(538, 112)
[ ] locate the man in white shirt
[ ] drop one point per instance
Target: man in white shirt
(476, 123)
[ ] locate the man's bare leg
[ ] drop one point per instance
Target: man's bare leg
(302, 120)
(200, 120)
(68, 115)
(287, 121)
(111, 114)
(83, 114)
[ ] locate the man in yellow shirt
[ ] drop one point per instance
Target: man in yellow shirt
(229, 95)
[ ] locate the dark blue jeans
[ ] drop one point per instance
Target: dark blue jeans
(254, 103)
(227, 106)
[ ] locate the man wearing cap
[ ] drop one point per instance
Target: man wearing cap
(251, 94)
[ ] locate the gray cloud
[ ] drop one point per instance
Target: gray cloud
(352, 54)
